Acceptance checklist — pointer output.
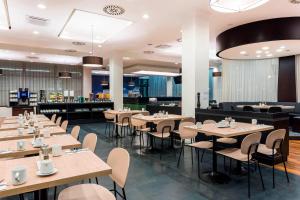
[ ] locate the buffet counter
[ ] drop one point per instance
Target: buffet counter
(81, 112)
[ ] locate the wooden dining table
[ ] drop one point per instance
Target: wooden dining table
(240, 129)
(4, 127)
(116, 113)
(14, 135)
(8, 149)
(39, 118)
(72, 167)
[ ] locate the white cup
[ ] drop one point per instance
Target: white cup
(46, 133)
(254, 121)
(143, 109)
(46, 166)
(18, 175)
(56, 150)
(20, 131)
(199, 124)
(38, 142)
(20, 145)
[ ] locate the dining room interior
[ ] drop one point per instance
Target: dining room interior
(138, 99)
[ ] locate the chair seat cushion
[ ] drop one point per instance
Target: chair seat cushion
(202, 145)
(159, 135)
(86, 192)
(143, 129)
(227, 140)
(234, 153)
(263, 149)
(124, 124)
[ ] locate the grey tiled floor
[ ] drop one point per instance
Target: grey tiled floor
(153, 179)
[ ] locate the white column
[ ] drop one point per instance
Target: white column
(195, 63)
(169, 86)
(116, 80)
(87, 82)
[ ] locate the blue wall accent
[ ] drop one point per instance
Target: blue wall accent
(211, 84)
(157, 86)
(97, 87)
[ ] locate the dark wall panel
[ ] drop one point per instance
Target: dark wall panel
(287, 79)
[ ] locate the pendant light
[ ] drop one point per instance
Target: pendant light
(92, 61)
(64, 75)
(104, 82)
(131, 83)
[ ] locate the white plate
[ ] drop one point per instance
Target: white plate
(51, 173)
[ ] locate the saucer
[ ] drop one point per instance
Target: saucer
(47, 174)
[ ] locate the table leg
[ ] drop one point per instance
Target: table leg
(214, 176)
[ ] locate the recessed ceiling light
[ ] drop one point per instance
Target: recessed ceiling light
(267, 52)
(243, 52)
(176, 63)
(258, 51)
(270, 55)
(282, 47)
(146, 16)
(36, 32)
(90, 52)
(265, 48)
(32, 53)
(258, 56)
(99, 45)
(41, 6)
(279, 50)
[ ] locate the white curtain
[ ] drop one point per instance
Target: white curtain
(298, 77)
(250, 80)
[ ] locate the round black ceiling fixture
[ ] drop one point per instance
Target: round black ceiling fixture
(64, 75)
(92, 61)
(276, 29)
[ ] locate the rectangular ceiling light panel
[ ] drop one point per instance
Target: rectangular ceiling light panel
(156, 73)
(80, 24)
(4, 16)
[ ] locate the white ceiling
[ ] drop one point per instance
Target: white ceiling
(162, 27)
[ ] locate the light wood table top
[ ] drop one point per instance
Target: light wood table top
(14, 135)
(133, 112)
(240, 129)
(8, 149)
(4, 127)
(154, 119)
(16, 117)
(15, 121)
(71, 168)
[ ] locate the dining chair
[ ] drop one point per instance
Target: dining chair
(90, 142)
(273, 149)
(75, 132)
(248, 148)
(176, 132)
(58, 120)
(124, 122)
(163, 132)
(109, 123)
(140, 129)
(64, 125)
(86, 192)
(119, 160)
(53, 117)
(189, 134)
